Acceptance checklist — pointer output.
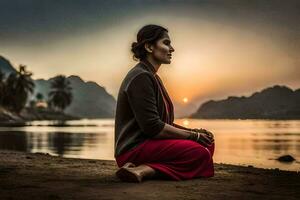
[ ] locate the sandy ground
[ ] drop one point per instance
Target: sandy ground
(41, 176)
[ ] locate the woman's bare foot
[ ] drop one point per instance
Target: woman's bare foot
(130, 173)
(145, 171)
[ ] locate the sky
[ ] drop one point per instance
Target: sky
(222, 48)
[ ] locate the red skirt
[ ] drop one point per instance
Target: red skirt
(176, 159)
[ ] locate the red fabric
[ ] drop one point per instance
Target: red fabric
(178, 159)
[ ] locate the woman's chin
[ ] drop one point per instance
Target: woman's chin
(167, 61)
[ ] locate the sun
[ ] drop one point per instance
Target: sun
(185, 99)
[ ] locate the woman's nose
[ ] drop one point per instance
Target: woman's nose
(172, 49)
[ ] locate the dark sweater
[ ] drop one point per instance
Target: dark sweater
(141, 111)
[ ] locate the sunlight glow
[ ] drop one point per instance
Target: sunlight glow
(185, 122)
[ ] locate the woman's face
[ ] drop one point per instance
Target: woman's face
(162, 50)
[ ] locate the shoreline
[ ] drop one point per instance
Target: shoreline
(44, 176)
(11, 119)
(216, 163)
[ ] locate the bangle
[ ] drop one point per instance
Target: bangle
(196, 134)
(193, 136)
(198, 137)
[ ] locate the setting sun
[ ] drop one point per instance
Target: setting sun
(185, 100)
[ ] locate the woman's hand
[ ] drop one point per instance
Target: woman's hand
(206, 136)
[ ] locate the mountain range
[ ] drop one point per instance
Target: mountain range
(5, 66)
(276, 102)
(91, 100)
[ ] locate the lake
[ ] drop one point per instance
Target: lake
(244, 142)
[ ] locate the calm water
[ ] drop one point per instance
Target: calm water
(246, 142)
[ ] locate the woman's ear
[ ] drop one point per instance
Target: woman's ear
(148, 47)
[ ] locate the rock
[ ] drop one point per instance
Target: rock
(286, 158)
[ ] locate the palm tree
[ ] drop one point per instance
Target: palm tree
(17, 87)
(60, 95)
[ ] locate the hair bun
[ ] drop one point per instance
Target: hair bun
(135, 49)
(134, 44)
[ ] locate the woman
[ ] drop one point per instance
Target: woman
(148, 144)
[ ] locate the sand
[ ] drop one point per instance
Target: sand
(42, 176)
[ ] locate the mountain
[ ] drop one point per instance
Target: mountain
(277, 102)
(5, 66)
(90, 100)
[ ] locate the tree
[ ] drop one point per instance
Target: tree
(17, 87)
(60, 95)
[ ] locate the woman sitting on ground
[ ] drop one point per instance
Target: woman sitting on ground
(148, 144)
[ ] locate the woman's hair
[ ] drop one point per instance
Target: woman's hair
(147, 34)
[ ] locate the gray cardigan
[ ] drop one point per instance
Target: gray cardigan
(140, 110)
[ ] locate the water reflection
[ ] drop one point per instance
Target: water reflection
(57, 143)
(61, 143)
(247, 142)
(253, 142)
(13, 141)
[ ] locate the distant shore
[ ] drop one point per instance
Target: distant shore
(8, 118)
(42, 176)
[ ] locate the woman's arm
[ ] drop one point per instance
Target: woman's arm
(210, 134)
(141, 97)
(181, 127)
(171, 132)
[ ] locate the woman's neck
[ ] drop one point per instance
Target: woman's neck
(154, 62)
